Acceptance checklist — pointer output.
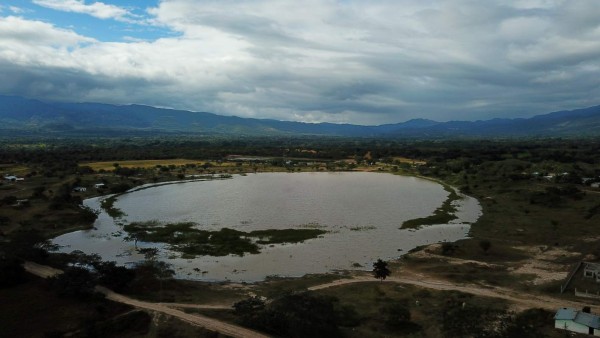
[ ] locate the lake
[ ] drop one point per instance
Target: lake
(361, 212)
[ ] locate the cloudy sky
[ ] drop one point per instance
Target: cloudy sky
(363, 62)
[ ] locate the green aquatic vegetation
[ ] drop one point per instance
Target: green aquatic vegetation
(363, 228)
(442, 215)
(220, 243)
(186, 238)
(280, 236)
(312, 225)
(108, 204)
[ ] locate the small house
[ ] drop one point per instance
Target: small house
(577, 321)
(99, 185)
(80, 189)
(22, 203)
(592, 270)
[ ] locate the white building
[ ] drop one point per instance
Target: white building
(592, 270)
(577, 321)
(99, 185)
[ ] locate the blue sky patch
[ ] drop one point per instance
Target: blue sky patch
(134, 27)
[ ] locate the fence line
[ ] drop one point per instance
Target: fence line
(586, 294)
(570, 276)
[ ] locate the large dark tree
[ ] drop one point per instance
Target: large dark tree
(11, 272)
(75, 282)
(115, 277)
(293, 315)
(485, 245)
(380, 270)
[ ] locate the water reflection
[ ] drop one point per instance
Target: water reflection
(361, 211)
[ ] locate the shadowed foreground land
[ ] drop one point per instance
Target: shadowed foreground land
(540, 210)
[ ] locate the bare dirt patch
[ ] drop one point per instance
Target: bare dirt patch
(434, 251)
(543, 264)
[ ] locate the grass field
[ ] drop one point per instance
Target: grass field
(427, 309)
(408, 160)
(109, 165)
(12, 169)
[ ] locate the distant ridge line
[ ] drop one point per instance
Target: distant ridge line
(29, 116)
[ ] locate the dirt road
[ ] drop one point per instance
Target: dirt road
(520, 300)
(41, 270)
(194, 319)
(198, 306)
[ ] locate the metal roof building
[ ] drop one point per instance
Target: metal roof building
(577, 321)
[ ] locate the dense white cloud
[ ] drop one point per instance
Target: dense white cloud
(96, 9)
(25, 43)
(340, 61)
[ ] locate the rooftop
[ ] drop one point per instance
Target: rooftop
(587, 319)
(565, 314)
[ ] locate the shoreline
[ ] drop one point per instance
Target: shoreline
(181, 274)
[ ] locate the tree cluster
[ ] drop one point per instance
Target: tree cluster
(297, 315)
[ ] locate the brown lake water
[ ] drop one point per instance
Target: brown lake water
(362, 213)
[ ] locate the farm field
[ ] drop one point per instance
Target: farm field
(110, 165)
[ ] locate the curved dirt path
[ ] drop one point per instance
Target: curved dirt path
(520, 300)
(194, 319)
(41, 270)
(198, 306)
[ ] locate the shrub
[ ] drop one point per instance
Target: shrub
(12, 273)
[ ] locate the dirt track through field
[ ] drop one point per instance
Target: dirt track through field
(41, 270)
(194, 319)
(520, 300)
(199, 306)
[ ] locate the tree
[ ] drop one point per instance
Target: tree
(447, 248)
(380, 270)
(396, 316)
(115, 277)
(485, 245)
(11, 272)
(292, 315)
(29, 245)
(8, 200)
(527, 324)
(74, 283)
(248, 308)
(133, 236)
(150, 274)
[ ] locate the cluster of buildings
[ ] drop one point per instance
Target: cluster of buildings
(84, 189)
(578, 321)
(593, 182)
(13, 178)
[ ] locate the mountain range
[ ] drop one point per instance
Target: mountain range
(23, 116)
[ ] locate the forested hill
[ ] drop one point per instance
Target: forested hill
(19, 115)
